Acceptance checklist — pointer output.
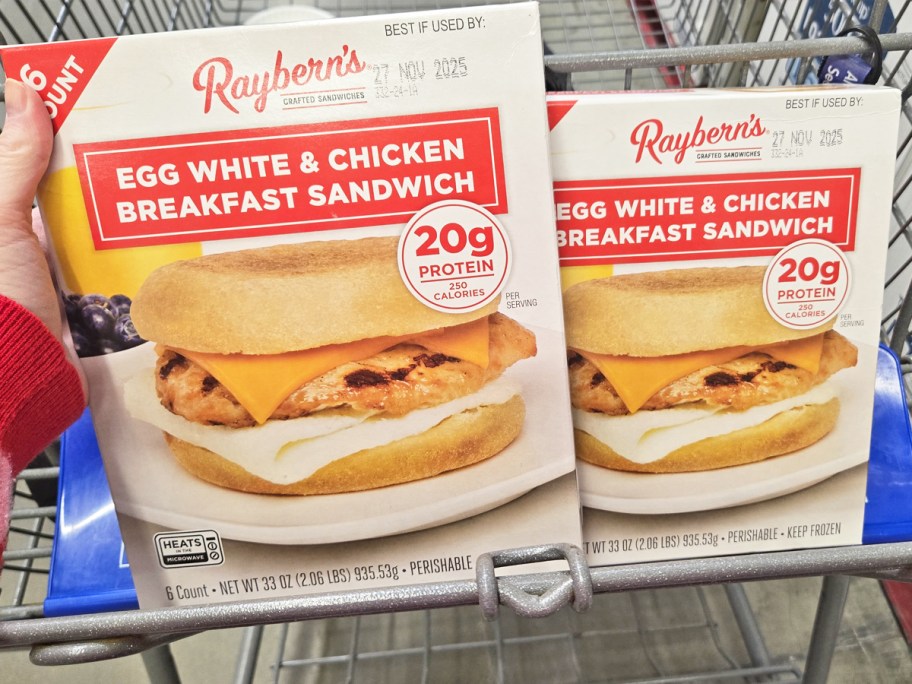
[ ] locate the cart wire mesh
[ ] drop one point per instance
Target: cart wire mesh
(599, 45)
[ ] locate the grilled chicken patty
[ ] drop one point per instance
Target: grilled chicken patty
(393, 382)
(747, 381)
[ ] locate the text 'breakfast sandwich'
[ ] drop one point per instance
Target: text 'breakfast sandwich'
(685, 370)
(310, 369)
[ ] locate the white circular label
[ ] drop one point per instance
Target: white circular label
(806, 284)
(454, 256)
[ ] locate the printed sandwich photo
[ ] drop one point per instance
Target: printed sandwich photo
(310, 369)
(685, 370)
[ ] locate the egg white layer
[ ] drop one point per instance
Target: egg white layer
(285, 451)
(648, 436)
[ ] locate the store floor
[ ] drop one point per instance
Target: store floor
(624, 637)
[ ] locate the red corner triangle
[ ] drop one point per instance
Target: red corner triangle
(58, 71)
(557, 110)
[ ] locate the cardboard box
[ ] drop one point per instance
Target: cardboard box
(723, 261)
(337, 238)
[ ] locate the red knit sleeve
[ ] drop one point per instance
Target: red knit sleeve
(40, 391)
(40, 395)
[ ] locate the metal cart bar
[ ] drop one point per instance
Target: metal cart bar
(852, 560)
(714, 54)
(826, 628)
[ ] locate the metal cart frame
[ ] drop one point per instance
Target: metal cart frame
(721, 56)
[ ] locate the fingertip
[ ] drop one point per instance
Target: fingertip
(15, 97)
(25, 111)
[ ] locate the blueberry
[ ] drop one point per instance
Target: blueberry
(72, 309)
(96, 300)
(125, 333)
(97, 320)
(120, 304)
(106, 347)
(100, 324)
(84, 346)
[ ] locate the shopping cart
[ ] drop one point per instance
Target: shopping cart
(595, 44)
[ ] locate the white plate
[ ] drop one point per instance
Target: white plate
(147, 482)
(340, 517)
(664, 493)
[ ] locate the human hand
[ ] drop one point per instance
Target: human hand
(25, 147)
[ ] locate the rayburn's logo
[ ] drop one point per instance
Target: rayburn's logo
(216, 78)
(651, 138)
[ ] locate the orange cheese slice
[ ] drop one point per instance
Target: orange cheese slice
(468, 341)
(262, 382)
(803, 353)
(636, 379)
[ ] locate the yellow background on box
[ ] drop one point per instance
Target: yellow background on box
(571, 275)
(86, 270)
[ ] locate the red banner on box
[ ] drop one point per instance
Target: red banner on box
(703, 217)
(270, 181)
(59, 71)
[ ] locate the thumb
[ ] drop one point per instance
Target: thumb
(25, 147)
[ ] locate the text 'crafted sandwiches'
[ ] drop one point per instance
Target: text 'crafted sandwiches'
(310, 369)
(685, 370)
